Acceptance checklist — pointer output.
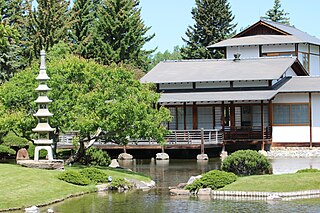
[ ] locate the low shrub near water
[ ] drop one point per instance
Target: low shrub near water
(307, 170)
(214, 179)
(120, 183)
(96, 157)
(95, 175)
(74, 177)
(247, 162)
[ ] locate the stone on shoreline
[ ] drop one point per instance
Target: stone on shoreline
(22, 154)
(193, 178)
(114, 163)
(202, 157)
(176, 191)
(162, 156)
(125, 156)
(42, 164)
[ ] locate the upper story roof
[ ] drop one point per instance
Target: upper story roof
(301, 84)
(268, 32)
(264, 68)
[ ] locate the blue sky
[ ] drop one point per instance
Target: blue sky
(169, 19)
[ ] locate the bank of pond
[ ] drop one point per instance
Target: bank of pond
(22, 187)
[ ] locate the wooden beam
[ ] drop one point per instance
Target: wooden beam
(262, 124)
(184, 115)
(260, 50)
(232, 115)
(270, 113)
(296, 50)
(310, 117)
(222, 116)
(194, 116)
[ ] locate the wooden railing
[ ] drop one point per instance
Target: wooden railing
(247, 133)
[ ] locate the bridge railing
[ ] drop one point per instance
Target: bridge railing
(210, 136)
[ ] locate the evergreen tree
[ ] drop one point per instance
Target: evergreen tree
(121, 34)
(85, 12)
(276, 14)
(47, 24)
(212, 24)
(166, 55)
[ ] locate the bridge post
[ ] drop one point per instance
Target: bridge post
(202, 156)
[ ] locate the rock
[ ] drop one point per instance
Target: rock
(125, 156)
(22, 154)
(193, 178)
(162, 156)
(179, 192)
(102, 187)
(50, 211)
(202, 157)
(181, 185)
(263, 152)
(32, 209)
(205, 191)
(114, 163)
(274, 197)
(43, 164)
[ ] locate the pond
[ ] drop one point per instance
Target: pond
(171, 173)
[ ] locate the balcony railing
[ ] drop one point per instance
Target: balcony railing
(247, 133)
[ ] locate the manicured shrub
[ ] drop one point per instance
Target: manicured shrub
(96, 157)
(307, 170)
(247, 162)
(6, 150)
(12, 140)
(214, 179)
(95, 175)
(119, 183)
(74, 177)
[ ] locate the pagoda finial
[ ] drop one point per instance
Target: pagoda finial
(43, 60)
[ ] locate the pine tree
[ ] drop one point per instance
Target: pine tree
(85, 12)
(121, 34)
(212, 24)
(47, 24)
(276, 14)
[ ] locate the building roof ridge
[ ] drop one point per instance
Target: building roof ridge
(231, 59)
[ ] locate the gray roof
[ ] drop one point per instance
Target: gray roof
(295, 32)
(257, 40)
(301, 84)
(267, 68)
(217, 96)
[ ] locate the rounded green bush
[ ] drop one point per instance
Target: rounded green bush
(214, 179)
(6, 150)
(95, 175)
(307, 170)
(74, 177)
(96, 157)
(247, 162)
(119, 183)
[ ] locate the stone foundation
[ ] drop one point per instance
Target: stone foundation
(42, 164)
(293, 152)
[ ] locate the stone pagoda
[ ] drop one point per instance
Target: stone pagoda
(43, 128)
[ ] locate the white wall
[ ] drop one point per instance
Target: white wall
(315, 107)
(246, 52)
(291, 134)
(278, 48)
(314, 65)
(291, 98)
(176, 86)
(211, 84)
(250, 83)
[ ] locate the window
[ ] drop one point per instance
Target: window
(278, 54)
(291, 114)
(177, 113)
(305, 61)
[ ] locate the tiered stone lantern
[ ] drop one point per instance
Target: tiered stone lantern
(43, 128)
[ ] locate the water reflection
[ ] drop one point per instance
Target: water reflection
(172, 172)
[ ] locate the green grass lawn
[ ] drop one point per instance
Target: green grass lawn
(276, 183)
(21, 187)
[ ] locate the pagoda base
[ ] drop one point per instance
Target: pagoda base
(42, 164)
(41, 147)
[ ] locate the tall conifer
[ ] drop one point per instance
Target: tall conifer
(213, 23)
(276, 14)
(121, 34)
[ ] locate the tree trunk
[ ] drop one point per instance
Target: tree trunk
(124, 149)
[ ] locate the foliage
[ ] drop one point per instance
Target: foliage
(31, 149)
(214, 179)
(96, 157)
(121, 34)
(212, 24)
(74, 177)
(86, 96)
(12, 140)
(119, 183)
(47, 23)
(166, 55)
(276, 14)
(247, 162)
(307, 170)
(6, 150)
(95, 175)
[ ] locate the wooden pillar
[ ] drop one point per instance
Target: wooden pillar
(260, 50)
(222, 116)
(270, 113)
(296, 50)
(194, 116)
(184, 116)
(232, 115)
(262, 124)
(310, 117)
